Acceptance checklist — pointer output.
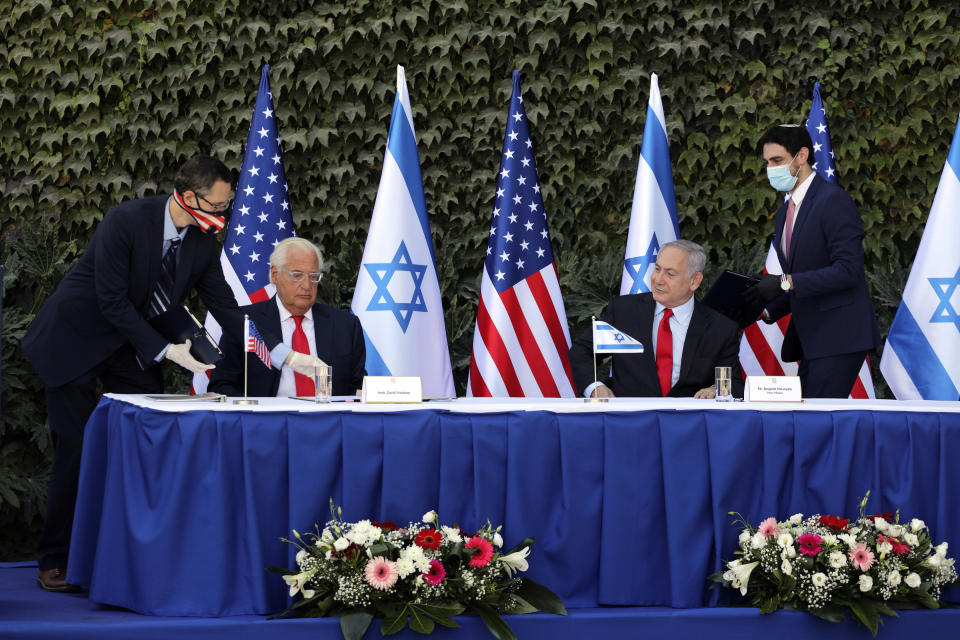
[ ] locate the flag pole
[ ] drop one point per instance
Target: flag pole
(246, 350)
(593, 321)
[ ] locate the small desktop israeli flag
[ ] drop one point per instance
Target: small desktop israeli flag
(608, 339)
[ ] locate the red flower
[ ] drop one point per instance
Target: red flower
(810, 544)
(428, 539)
(835, 523)
(436, 574)
(886, 515)
(387, 525)
(899, 548)
(484, 551)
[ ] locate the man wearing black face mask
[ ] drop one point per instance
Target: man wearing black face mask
(145, 257)
(818, 237)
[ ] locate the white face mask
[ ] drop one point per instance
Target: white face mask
(780, 177)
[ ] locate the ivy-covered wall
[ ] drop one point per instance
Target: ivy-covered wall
(100, 101)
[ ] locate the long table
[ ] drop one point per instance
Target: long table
(182, 505)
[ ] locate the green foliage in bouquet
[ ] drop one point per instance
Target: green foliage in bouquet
(421, 574)
(828, 566)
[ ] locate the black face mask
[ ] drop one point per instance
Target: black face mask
(208, 221)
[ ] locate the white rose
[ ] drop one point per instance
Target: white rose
(912, 580)
(497, 540)
(880, 524)
(301, 556)
(849, 540)
(786, 567)
(341, 544)
(894, 578)
(916, 524)
(866, 583)
(829, 539)
(757, 541)
(911, 539)
(895, 531)
(837, 559)
(942, 549)
(819, 579)
(744, 537)
(788, 552)
(429, 516)
(796, 518)
(785, 540)
(326, 536)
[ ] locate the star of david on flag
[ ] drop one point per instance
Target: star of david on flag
(521, 338)
(761, 342)
(397, 297)
(653, 218)
(609, 339)
(920, 356)
(261, 215)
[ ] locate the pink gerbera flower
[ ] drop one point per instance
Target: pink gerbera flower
(484, 551)
(768, 528)
(810, 544)
(861, 557)
(436, 574)
(381, 573)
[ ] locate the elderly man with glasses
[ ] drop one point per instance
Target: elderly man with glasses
(309, 329)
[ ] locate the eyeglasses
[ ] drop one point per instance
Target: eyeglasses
(297, 276)
(215, 207)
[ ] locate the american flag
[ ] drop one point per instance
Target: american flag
(521, 338)
(255, 344)
(261, 215)
(760, 345)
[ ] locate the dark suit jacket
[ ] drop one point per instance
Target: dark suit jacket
(830, 303)
(339, 341)
(711, 342)
(103, 301)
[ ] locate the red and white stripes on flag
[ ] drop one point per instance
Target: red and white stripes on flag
(254, 343)
(761, 342)
(521, 338)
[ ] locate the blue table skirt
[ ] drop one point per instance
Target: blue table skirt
(179, 513)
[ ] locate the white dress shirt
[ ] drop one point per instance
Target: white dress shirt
(797, 196)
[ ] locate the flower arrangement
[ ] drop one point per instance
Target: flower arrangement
(419, 574)
(827, 565)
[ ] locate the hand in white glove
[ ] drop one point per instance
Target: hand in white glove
(304, 363)
(180, 353)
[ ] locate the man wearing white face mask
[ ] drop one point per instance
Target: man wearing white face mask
(818, 237)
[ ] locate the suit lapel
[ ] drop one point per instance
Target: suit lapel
(779, 222)
(267, 318)
(806, 207)
(155, 225)
(188, 250)
(322, 340)
(690, 344)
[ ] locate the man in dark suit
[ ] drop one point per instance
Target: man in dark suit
(670, 323)
(818, 237)
(146, 256)
(332, 335)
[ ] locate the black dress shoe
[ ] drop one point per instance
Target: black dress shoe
(55, 580)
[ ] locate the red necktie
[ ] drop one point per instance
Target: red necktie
(788, 228)
(665, 352)
(305, 386)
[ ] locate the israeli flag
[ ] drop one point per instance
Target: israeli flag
(921, 359)
(609, 339)
(397, 297)
(653, 219)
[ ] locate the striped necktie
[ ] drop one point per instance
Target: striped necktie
(162, 296)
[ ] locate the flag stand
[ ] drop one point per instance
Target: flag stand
(593, 320)
(246, 350)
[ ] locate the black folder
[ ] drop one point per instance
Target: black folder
(726, 296)
(177, 325)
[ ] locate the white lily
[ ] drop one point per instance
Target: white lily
(297, 583)
(516, 561)
(742, 573)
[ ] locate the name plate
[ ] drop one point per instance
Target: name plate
(773, 389)
(392, 389)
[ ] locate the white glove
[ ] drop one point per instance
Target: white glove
(304, 363)
(180, 353)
